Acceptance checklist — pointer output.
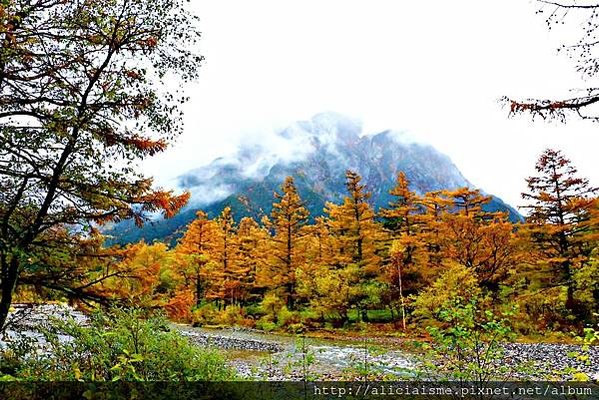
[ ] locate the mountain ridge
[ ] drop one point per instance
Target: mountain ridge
(320, 151)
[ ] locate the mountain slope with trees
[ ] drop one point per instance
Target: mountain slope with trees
(326, 146)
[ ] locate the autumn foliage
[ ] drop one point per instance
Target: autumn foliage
(400, 264)
(81, 106)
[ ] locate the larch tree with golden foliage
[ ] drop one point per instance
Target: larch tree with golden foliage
(353, 224)
(480, 240)
(288, 218)
(468, 201)
(318, 257)
(252, 257)
(355, 233)
(407, 256)
(223, 278)
(401, 216)
(560, 220)
(197, 244)
(144, 264)
(435, 205)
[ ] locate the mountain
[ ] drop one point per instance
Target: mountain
(316, 153)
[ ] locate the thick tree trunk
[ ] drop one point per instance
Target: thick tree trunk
(291, 296)
(10, 273)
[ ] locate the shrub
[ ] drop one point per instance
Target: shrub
(254, 310)
(458, 282)
(468, 346)
(233, 315)
(587, 284)
(543, 310)
(271, 304)
(120, 346)
(204, 314)
(284, 317)
(310, 318)
(589, 339)
(266, 325)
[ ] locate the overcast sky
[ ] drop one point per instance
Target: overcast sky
(432, 68)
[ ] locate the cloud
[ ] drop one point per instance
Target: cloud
(207, 194)
(259, 152)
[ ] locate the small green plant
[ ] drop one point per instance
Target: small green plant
(307, 359)
(367, 365)
(268, 367)
(589, 338)
(12, 357)
(467, 345)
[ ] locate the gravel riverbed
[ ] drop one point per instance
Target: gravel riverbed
(279, 357)
(265, 356)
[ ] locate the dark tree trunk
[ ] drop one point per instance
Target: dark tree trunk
(290, 296)
(364, 316)
(9, 279)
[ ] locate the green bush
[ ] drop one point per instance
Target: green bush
(204, 314)
(265, 324)
(233, 315)
(284, 316)
(467, 347)
(310, 319)
(255, 310)
(121, 346)
(457, 283)
(289, 320)
(271, 304)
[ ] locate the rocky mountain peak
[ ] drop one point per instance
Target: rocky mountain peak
(316, 153)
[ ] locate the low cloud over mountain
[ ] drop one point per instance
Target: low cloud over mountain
(316, 153)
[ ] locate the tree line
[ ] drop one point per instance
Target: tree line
(409, 259)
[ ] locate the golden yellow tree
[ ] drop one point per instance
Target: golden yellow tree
(435, 205)
(251, 262)
(145, 265)
(224, 280)
(407, 258)
(561, 217)
(288, 218)
(198, 244)
(482, 241)
(354, 234)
